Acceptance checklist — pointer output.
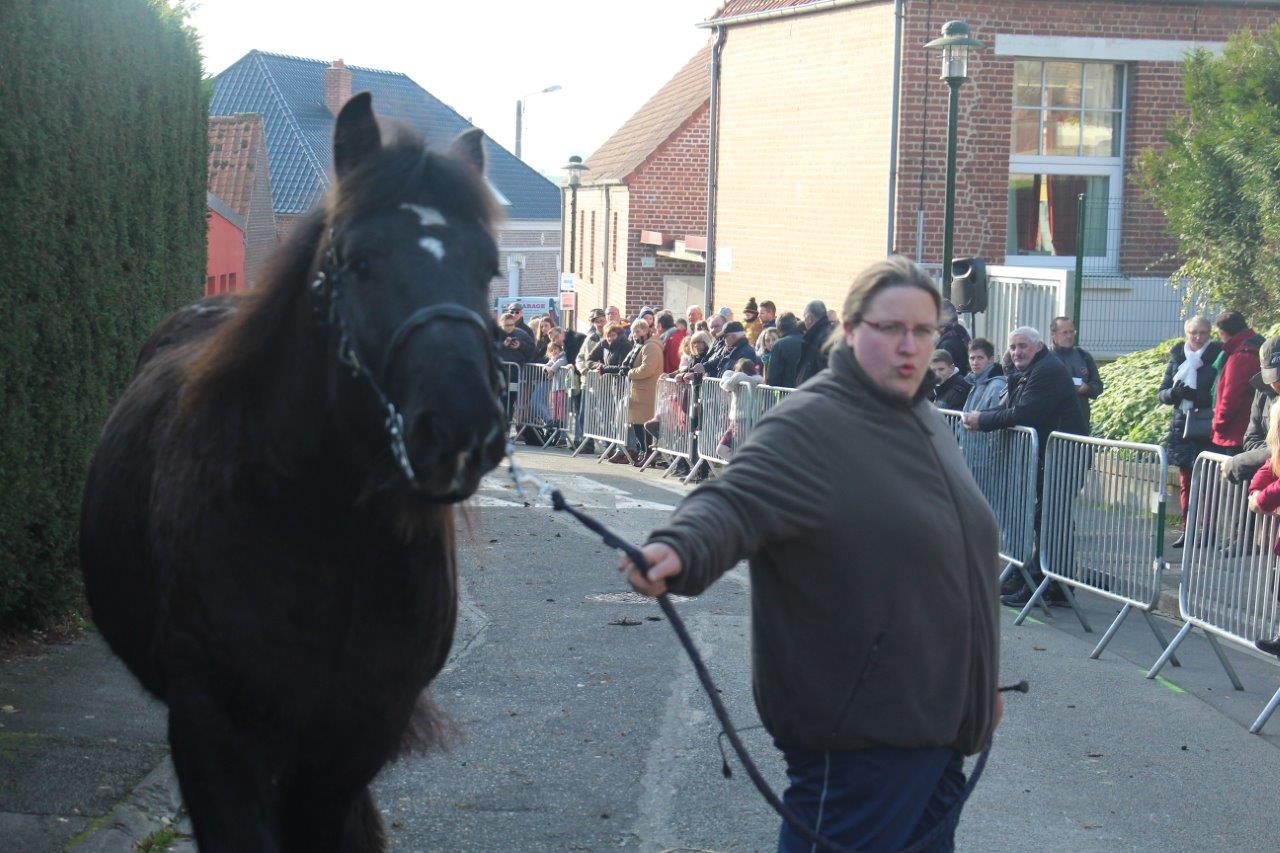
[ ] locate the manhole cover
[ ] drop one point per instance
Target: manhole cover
(630, 598)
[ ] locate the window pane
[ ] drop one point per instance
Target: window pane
(1026, 132)
(1026, 83)
(1103, 86)
(1061, 133)
(1043, 211)
(1101, 135)
(1062, 84)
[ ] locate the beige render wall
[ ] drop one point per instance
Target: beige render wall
(802, 203)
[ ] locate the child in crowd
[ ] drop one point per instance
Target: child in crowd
(1264, 497)
(744, 371)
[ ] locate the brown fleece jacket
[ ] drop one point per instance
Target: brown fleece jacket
(873, 568)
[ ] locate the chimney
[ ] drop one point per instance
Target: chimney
(337, 86)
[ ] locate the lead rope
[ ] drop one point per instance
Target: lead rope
(522, 478)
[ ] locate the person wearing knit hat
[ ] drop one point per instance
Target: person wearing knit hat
(751, 321)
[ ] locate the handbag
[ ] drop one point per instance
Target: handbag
(1198, 425)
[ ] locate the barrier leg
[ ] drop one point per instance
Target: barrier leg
(694, 471)
(1075, 608)
(608, 451)
(1155, 629)
(1169, 650)
(578, 449)
(1266, 714)
(1226, 664)
(649, 460)
(1031, 602)
(1111, 632)
(1031, 584)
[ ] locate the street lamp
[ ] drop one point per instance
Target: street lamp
(575, 167)
(954, 44)
(520, 111)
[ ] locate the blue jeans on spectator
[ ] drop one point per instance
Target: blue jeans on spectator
(879, 799)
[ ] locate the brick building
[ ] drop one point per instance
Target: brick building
(298, 100)
(239, 175)
(640, 234)
(828, 159)
(224, 260)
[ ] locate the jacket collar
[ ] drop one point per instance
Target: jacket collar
(1238, 340)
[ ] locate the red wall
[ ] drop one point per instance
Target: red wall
(225, 270)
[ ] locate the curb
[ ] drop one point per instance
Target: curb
(153, 806)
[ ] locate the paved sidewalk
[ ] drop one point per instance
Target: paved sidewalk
(83, 753)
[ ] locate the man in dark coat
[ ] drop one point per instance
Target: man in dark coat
(952, 389)
(952, 336)
(1080, 364)
(516, 345)
(1188, 387)
(1042, 396)
(736, 346)
(784, 359)
(517, 310)
(817, 330)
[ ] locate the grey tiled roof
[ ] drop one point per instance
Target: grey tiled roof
(289, 93)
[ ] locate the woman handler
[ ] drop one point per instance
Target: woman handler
(873, 578)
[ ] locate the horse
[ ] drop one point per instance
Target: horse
(267, 535)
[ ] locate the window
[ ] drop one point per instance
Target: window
(1067, 139)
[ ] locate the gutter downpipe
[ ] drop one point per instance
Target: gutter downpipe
(713, 142)
(605, 260)
(898, 14)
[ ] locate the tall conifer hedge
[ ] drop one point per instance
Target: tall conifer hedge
(102, 233)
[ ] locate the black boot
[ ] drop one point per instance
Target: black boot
(1271, 647)
(1179, 542)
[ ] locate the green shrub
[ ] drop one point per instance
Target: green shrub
(103, 147)
(1128, 409)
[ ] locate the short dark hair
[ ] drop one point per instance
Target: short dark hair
(1055, 322)
(768, 303)
(665, 320)
(1231, 322)
(787, 323)
(984, 345)
(941, 356)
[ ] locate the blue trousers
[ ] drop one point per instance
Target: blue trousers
(878, 799)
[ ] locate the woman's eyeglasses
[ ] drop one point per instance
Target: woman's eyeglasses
(924, 333)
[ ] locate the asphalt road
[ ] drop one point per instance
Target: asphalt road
(584, 731)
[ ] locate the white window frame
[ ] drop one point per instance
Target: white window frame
(1110, 167)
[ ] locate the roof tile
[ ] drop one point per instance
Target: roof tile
(233, 145)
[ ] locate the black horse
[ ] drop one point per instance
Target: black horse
(266, 537)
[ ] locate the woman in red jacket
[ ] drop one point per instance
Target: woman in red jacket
(1234, 395)
(1264, 496)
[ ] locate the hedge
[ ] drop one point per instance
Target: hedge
(102, 173)
(1128, 409)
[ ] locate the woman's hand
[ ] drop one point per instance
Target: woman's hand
(664, 562)
(1253, 502)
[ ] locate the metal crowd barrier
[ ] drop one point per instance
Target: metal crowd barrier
(724, 422)
(674, 412)
(537, 393)
(511, 378)
(764, 398)
(1230, 584)
(1102, 525)
(1003, 464)
(604, 411)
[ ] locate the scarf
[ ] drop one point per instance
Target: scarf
(1186, 373)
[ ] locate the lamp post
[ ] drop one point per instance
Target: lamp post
(954, 44)
(575, 168)
(520, 112)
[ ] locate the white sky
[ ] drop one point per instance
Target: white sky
(480, 56)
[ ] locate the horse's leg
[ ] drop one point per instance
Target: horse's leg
(363, 832)
(316, 817)
(224, 784)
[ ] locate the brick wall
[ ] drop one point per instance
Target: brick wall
(668, 194)
(260, 220)
(536, 246)
(600, 278)
(1154, 94)
(803, 155)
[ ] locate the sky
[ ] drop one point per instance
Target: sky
(481, 56)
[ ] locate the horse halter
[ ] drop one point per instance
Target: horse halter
(325, 299)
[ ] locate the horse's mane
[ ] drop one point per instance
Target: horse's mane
(251, 340)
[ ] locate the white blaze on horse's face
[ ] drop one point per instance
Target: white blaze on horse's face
(428, 217)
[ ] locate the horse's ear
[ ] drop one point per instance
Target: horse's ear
(469, 148)
(355, 135)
